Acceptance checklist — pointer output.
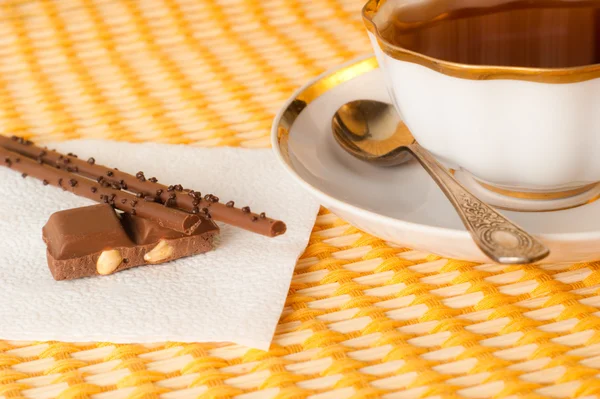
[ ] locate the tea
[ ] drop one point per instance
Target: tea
(524, 33)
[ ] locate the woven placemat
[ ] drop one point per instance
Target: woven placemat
(364, 318)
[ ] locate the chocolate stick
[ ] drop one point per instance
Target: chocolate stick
(173, 196)
(170, 218)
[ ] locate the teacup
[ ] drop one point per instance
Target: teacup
(518, 129)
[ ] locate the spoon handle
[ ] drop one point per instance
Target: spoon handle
(498, 238)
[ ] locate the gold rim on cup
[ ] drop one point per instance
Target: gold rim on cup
(477, 72)
(552, 195)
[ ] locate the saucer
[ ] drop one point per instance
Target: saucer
(401, 204)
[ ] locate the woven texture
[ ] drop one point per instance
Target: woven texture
(364, 318)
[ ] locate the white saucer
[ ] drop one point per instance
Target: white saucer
(401, 204)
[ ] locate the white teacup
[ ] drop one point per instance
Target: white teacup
(516, 129)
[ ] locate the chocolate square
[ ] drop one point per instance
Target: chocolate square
(78, 232)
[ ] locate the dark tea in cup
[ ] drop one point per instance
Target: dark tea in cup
(523, 33)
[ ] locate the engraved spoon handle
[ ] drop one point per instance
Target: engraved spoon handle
(500, 239)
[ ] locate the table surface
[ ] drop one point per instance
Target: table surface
(363, 318)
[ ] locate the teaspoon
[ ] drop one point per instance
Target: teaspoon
(373, 132)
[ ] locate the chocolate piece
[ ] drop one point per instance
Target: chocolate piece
(220, 212)
(166, 217)
(143, 231)
(93, 240)
(78, 232)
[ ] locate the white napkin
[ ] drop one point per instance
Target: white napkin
(234, 293)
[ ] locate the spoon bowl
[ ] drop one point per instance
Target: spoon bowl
(373, 132)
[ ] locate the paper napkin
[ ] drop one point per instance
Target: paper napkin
(234, 293)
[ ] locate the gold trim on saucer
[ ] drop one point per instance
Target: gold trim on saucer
(315, 90)
(338, 77)
(552, 195)
(344, 74)
(476, 72)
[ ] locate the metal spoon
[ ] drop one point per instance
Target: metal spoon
(373, 132)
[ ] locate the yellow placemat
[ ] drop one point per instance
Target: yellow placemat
(364, 318)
